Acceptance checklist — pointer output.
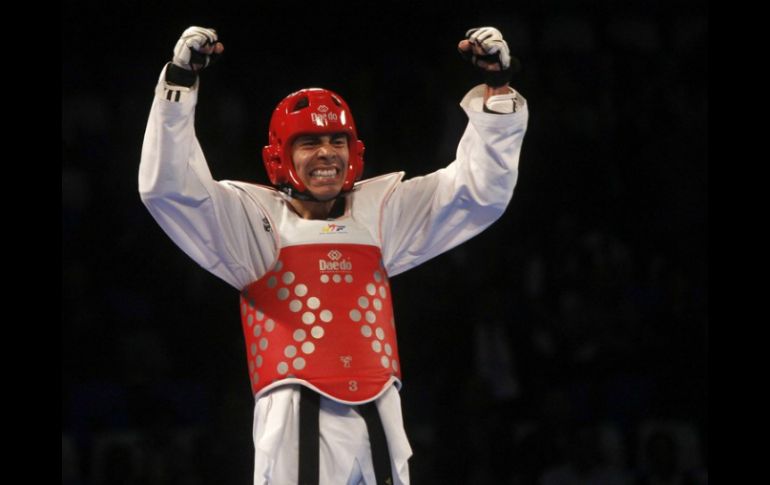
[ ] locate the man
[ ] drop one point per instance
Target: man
(312, 259)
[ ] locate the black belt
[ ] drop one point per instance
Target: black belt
(309, 439)
(309, 454)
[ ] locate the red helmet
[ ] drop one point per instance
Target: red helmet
(312, 111)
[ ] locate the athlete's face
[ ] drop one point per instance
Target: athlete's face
(321, 163)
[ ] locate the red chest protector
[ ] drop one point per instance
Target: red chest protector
(322, 317)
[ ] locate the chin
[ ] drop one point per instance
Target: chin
(325, 195)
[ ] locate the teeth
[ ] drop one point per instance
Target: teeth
(321, 172)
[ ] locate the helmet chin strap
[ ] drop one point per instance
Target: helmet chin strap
(289, 190)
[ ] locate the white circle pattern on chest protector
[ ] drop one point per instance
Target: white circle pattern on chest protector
(257, 330)
(270, 325)
(290, 351)
(308, 347)
(317, 332)
(309, 317)
(348, 278)
(336, 278)
(299, 335)
(371, 317)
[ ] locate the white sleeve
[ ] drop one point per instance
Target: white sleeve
(426, 216)
(213, 222)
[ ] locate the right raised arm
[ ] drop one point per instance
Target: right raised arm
(212, 222)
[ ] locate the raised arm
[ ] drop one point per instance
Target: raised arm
(426, 216)
(213, 222)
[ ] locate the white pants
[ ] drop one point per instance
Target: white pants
(345, 454)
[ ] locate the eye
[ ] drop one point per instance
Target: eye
(307, 142)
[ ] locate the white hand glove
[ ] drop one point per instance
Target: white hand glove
(490, 40)
(187, 52)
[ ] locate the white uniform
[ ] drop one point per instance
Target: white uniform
(219, 226)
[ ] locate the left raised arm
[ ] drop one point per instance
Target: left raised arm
(426, 216)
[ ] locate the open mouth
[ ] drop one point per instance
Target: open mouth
(325, 173)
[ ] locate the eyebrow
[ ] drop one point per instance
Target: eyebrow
(333, 136)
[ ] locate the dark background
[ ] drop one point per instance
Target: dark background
(552, 346)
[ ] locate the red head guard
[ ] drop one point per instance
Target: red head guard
(312, 111)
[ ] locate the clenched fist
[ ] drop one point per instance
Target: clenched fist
(196, 49)
(485, 48)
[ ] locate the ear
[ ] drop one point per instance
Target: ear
(272, 160)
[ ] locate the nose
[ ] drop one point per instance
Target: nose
(325, 149)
